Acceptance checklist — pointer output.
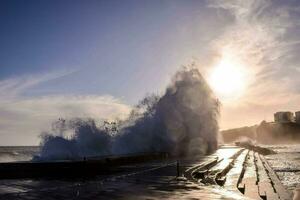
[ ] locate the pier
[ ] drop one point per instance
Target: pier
(232, 172)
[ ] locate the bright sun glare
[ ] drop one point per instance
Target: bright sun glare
(227, 79)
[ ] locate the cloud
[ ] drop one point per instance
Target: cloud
(261, 35)
(13, 87)
(23, 119)
(265, 36)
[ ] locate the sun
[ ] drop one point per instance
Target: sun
(228, 79)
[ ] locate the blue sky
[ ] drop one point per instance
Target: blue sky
(64, 58)
(107, 46)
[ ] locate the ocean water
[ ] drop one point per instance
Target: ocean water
(17, 153)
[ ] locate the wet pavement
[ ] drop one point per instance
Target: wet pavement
(230, 173)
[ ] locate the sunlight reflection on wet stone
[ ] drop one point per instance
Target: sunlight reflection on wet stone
(155, 180)
(157, 184)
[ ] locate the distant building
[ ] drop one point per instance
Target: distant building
(284, 117)
(297, 117)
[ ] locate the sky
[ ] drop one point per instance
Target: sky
(64, 58)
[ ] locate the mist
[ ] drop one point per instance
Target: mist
(183, 121)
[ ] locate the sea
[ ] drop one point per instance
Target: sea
(17, 153)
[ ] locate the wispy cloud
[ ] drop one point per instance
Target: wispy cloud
(24, 118)
(14, 87)
(264, 36)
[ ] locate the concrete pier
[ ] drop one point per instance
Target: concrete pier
(245, 172)
(230, 173)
